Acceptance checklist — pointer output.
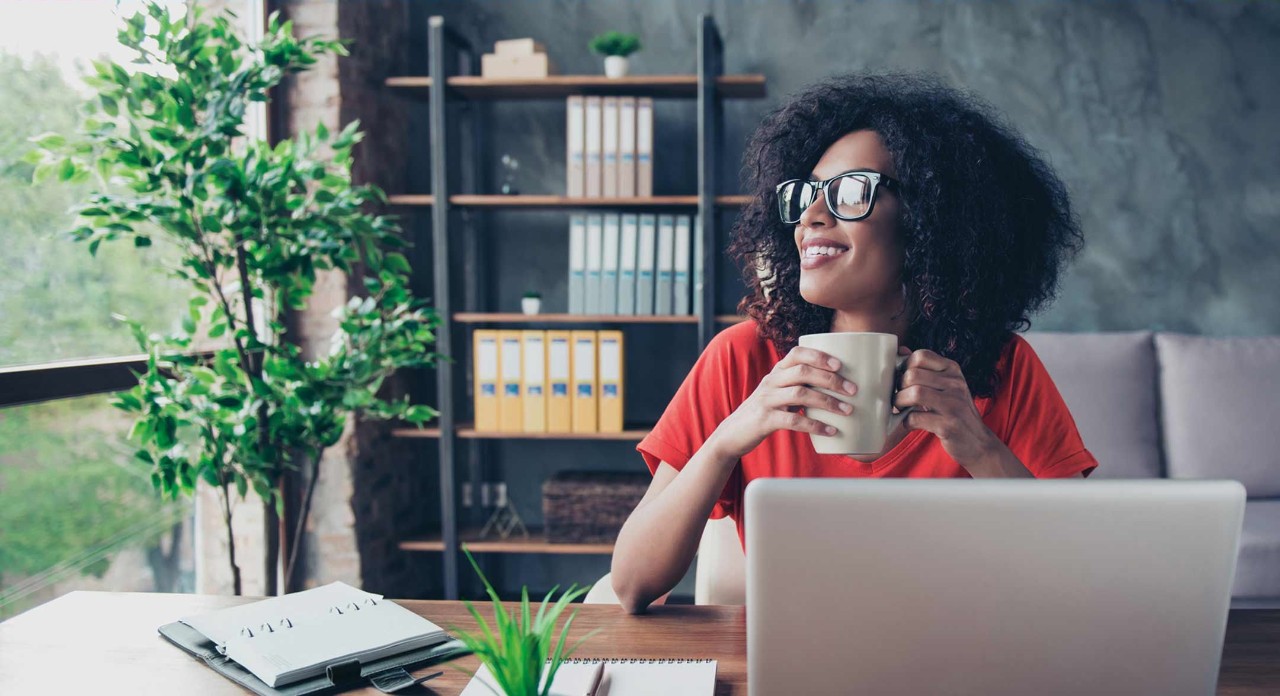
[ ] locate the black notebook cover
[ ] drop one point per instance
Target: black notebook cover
(340, 677)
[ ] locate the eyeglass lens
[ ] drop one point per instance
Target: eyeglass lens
(849, 196)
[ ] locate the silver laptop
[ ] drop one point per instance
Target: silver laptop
(988, 587)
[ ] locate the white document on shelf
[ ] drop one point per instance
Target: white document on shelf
(646, 259)
(609, 271)
(577, 264)
(627, 253)
(595, 262)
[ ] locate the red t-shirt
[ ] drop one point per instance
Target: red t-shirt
(1027, 413)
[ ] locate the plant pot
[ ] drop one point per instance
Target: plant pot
(615, 66)
(530, 305)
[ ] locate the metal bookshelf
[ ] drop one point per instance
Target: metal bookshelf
(451, 56)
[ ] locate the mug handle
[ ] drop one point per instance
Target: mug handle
(895, 419)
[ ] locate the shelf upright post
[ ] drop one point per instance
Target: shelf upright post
(437, 41)
(710, 130)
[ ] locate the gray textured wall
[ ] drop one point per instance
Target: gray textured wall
(1159, 116)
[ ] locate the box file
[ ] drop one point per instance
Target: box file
(595, 263)
(609, 271)
(594, 144)
(611, 373)
(627, 253)
(575, 137)
(485, 370)
(627, 147)
(534, 375)
(697, 264)
(681, 281)
(609, 127)
(510, 406)
(577, 264)
(559, 381)
(585, 402)
(664, 291)
(646, 268)
(644, 147)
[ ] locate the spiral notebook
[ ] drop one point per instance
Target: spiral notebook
(290, 638)
(622, 677)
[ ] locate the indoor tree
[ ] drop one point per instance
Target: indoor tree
(252, 224)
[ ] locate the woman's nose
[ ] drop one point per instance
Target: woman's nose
(816, 215)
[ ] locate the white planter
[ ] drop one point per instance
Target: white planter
(615, 66)
(530, 305)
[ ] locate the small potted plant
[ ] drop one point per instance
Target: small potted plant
(615, 46)
(521, 649)
(531, 303)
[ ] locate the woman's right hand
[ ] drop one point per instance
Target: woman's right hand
(773, 405)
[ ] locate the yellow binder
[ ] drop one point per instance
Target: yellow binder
(510, 407)
(584, 382)
(484, 366)
(534, 345)
(559, 381)
(611, 373)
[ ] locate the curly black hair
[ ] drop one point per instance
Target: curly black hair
(974, 266)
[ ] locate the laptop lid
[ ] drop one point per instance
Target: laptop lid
(988, 587)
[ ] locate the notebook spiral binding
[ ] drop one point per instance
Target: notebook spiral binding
(634, 661)
(338, 609)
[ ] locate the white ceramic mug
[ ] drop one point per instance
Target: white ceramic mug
(869, 360)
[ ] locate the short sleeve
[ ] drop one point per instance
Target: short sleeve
(1039, 428)
(710, 392)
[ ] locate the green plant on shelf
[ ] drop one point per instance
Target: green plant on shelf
(615, 43)
(521, 649)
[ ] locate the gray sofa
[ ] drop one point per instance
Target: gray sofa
(1153, 405)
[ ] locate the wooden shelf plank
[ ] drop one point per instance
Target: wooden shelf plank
(748, 86)
(467, 432)
(536, 543)
(469, 200)
(517, 318)
(730, 319)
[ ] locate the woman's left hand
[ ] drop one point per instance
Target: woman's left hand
(944, 407)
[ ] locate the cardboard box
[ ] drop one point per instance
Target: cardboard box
(504, 67)
(518, 47)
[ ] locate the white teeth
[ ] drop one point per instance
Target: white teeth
(823, 251)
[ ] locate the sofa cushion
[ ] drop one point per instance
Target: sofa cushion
(1108, 381)
(1258, 568)
(1219, 399)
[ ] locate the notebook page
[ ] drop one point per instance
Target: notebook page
(621, 678)
(369, 633)
(299, 608)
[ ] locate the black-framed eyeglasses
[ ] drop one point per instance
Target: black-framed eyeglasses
(849, 196)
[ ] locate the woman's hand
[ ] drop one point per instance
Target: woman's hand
(944, 407)
(772, 406)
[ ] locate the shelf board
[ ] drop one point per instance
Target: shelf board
(536, 543)
(468, 200)
(516, 318)
(467, 431)
(749, 86)
(730, 319)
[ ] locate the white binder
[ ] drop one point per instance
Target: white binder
(577, 264)
(681, 281)
(575, 138)
(646, 264)
(594, 177)
(644, 146)
(627, 147)
(609, 273)
(609, 112)
(664, 289)
(697, 264)
(627, 254)
(595, 263)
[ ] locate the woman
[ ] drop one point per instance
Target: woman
(890, 204)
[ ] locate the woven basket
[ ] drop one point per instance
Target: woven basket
(587, 507)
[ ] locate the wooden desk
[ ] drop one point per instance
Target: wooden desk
(103, 642)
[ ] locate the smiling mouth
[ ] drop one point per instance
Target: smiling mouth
(817, 251)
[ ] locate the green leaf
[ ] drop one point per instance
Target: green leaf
(397, 262)
(141, 241)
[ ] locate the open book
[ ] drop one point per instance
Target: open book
(622, 677)
(286, 639)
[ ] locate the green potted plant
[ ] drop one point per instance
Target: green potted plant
(531, 303)
(615, 46)
(250, 224)
(521, 649)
